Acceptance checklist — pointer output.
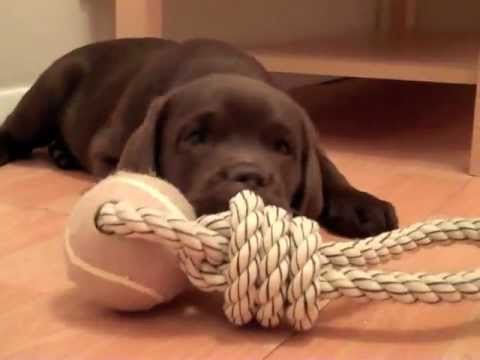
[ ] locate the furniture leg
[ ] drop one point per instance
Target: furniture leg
(475, 149)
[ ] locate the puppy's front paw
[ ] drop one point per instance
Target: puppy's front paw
(9, 151)
(61, 156)
(353, 213)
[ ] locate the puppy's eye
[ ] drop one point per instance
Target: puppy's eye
(197, 136)
(283, 147)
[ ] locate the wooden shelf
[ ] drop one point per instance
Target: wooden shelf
(436, 58)
(396, 49)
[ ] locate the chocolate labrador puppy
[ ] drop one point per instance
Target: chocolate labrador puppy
(201, 114)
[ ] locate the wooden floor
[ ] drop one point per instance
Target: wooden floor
(405, 142)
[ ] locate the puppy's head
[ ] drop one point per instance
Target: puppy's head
(223, 133)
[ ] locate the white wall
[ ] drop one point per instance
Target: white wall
(33, 33)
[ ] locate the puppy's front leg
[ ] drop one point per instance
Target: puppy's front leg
(34, 121)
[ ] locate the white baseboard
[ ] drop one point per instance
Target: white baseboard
(9, 97)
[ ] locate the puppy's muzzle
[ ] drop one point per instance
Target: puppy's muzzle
(250, 176)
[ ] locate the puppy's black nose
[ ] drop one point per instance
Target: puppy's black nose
(251, 176)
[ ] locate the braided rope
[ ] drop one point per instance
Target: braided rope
(271, 266)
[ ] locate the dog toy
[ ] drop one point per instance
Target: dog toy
(132, 242)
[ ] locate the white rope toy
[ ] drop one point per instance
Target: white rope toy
(271, 266)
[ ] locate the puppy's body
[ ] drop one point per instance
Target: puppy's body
(140, 104)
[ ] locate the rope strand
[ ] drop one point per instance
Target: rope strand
(271, 266)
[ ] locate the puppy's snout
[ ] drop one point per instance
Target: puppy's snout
(249, 175)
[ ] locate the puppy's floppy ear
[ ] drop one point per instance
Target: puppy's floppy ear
(308, 200)
(140, 153)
